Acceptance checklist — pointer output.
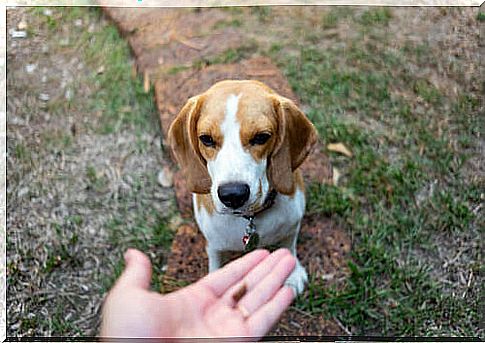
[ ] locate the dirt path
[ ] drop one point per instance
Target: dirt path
(163, 40)
(88, 176)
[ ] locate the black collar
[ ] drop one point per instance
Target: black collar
(268, 203)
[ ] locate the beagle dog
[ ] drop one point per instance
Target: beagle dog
(240, 145)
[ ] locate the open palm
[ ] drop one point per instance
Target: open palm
(243, 299)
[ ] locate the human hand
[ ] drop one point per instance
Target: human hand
(243, 299)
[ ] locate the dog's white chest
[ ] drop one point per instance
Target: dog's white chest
(224, 232)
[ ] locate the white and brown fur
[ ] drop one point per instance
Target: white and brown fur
(232, 113)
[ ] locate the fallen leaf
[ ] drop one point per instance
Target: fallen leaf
(22, 25)
(165, 177)
(335, 176)
(146, 82)
(339, 147)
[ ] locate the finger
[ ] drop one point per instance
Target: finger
(265, 317)
(255, 276)
(138, 270)
(268, 286)
(220, 280)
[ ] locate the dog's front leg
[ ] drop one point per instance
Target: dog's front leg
(298, 278)
(215, 258)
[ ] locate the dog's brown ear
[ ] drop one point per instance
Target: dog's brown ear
(296, 138)
(183, 140)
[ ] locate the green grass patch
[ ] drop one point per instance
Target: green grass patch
(177, 69)
(227, 23)
(331, 18)
(402, 186)
(231, 55)
(263, 13)
(120, 98)
(22, 152)
(149, 233)
(56, 140)
(375, 16)
(63, 251)
(138, 225)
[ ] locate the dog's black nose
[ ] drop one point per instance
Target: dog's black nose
(233, 195)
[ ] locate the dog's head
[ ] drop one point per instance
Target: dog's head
(238, 140)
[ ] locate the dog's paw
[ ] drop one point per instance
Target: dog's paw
(297, 279)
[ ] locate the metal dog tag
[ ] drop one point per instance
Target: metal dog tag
(250, 241)
(251, 237)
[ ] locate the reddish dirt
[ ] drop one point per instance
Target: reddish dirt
(164, 38)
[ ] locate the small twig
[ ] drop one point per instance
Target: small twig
(453, 260)
(188, 43)
(468, 284)
(302, 312)
(339, 323)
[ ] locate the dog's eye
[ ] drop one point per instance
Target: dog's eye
(260, 138)
(207, 140)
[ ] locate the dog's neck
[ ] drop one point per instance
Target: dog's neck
(268, 203)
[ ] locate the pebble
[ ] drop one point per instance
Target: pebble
(161, 196)
(165, 177)
(68, 94)
(44, 96)
(22, 25)
(18, 34)
(22, 191)
(29, 68)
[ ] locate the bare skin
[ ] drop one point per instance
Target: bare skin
(243, 299)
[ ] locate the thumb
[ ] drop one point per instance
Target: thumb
(138, 270)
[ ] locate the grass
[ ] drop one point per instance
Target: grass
(390, 290)
(141, 228)
(402, 194)
(116, 103)
(117, 96)
(149, 238)
(121, 99)
(231, 55)
(377, 16)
